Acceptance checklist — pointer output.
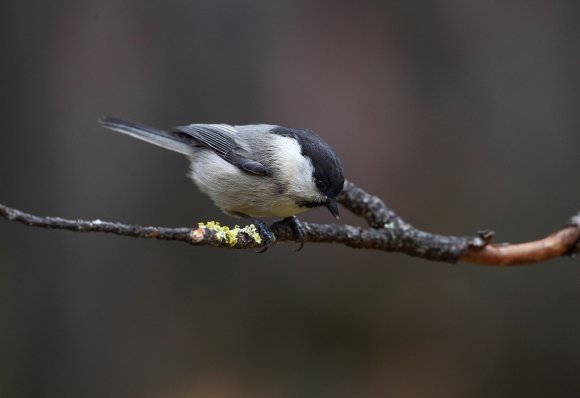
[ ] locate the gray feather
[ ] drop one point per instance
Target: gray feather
(149, 134)
(223, 140)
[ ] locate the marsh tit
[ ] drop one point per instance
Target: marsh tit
(252, 171)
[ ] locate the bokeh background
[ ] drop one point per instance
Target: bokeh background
(462, 115)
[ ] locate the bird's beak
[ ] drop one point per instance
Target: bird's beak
(332, 206)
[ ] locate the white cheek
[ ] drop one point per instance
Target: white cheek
(297, 170)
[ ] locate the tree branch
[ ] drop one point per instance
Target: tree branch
(387, 232)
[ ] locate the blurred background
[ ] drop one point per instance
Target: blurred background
(461, 115)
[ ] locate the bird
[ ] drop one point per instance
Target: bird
(252, 171)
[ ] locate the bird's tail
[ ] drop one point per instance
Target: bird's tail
(149, 134)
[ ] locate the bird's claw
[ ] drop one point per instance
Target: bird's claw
(298, 228)
(266, 235)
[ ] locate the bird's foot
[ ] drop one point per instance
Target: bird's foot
(265, 233)
(294, 223)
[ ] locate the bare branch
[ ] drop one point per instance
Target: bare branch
(563, 242)
(386, 232)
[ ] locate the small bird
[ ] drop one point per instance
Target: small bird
(253, 171)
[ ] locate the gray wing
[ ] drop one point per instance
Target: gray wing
(221, 138)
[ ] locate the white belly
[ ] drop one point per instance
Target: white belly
(240, 193)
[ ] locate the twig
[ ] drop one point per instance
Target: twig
(563, 242)
(387, 232)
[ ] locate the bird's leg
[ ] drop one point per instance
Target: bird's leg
(294, 223)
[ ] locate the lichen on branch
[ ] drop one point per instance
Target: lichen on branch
(386, 231)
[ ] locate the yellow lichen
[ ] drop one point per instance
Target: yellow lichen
(225, 234)
(252, 232)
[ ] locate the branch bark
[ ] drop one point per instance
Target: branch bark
(386, 232)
